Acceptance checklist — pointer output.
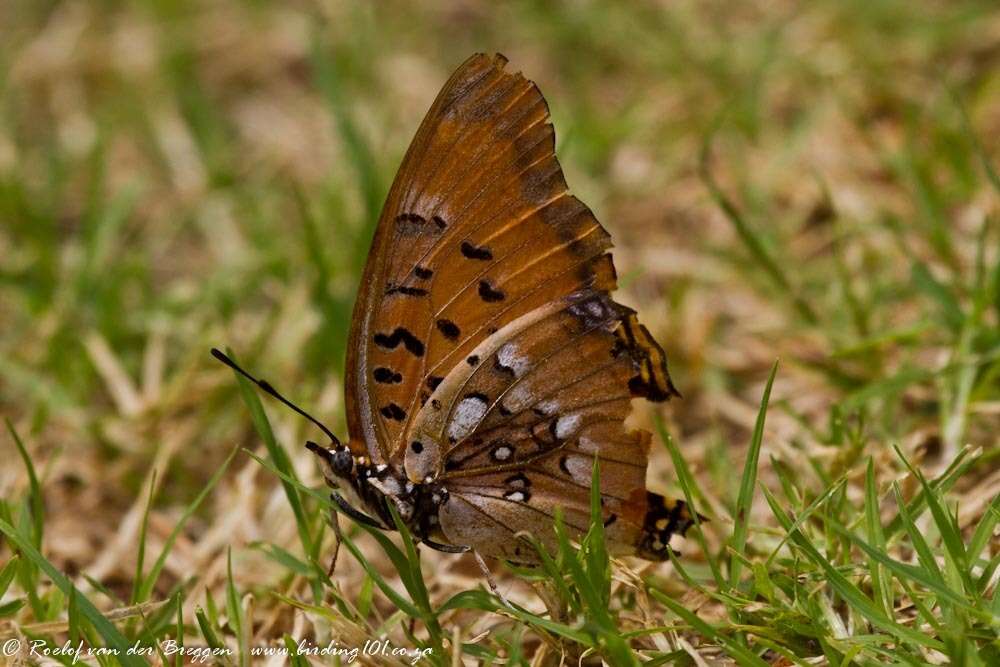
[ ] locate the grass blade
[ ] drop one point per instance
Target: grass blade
(140, 557)
(980, 538)
(744, 502)
(36, 502)
(873, 523)
(234, 611)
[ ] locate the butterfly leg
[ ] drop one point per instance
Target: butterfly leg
(445, 548)
(338, 538)
(490, 580)
(358, 516)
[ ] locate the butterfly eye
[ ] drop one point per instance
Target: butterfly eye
(342, 462)
(339, 458)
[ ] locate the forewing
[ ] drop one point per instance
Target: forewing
(477, 232)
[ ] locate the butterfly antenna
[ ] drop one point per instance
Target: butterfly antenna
(266, 387)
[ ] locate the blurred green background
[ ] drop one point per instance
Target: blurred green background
(177, 174)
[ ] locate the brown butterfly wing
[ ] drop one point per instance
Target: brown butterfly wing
(388, 331)
(478, 230)
(514, 436)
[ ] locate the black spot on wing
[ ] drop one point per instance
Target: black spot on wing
(488, 293)
(665, 517)
(391, 289)
(400, 335)
(562, 465)
(393, 411)
(476, 252)
(449, 329)
(386, 376)
(410, 224)
(414, 224)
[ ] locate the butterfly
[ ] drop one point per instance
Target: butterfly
(487, 363)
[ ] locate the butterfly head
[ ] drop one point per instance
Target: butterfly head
(338, 458)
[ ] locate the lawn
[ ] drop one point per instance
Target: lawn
(805, 204)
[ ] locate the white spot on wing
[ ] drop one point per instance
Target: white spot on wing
(466, 417)
(588, 445)
(518, 398)
(581, 468)
(566, 425)
(502, 453)
(549, 407)
(507, 356)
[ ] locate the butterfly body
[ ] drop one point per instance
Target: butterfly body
(488, 364)
(364, 492)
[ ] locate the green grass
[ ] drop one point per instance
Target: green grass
(815, 186)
